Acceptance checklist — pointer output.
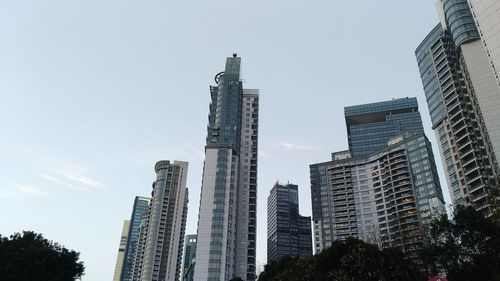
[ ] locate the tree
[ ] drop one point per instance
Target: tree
(236, 279)
(464, 248)
(347, 260)
(493, 191)
(29, 256)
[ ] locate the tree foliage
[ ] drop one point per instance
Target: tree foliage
(344, 261)
(493, 191)
(29, 256)
(464, 248)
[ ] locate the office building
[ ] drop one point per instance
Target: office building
(369, 127)
(161, 233)
(381, 194)
(227, 218)
(140, 207)
(288, 233)
(189, 258)
(458, 64)
(121, 251)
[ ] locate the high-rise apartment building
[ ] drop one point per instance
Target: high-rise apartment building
(188, 259)
(226, 242)
(458, 63)
(138, 257)
(121, 251)
(161, 233)
(141, 206)
(487, 18)
(385, 188)
(288, 233)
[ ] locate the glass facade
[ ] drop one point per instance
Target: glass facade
(370, 126)
(288, 233)
(432, 88)
(385, 188)
(466, 153)
(319, 188)
(226, 241)
(460, 21)
(141, 206)
(189, 258)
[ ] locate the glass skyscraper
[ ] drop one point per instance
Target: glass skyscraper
(158, 254)
(288, 233)
(385, 188)
(458, 66)
(226, 236)
(189, 258)
(369, 127)
(141, 206)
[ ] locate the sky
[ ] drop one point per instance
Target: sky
(94, 92)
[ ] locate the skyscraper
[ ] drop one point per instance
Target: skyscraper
(227, 218)
(288, 233)
(189, 258)
(161, 234)
(458, 63)
(385, 188)
(121, 251)
(141, 206)
(487, 18)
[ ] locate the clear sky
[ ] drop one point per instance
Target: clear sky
(94, 92)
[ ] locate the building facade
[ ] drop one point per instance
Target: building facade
(161, 233)
(487, 19)
(370, 126)
(288, 233)
(138, 257)
(382, 195)
(120, 259)
(457, 67)
(141, 206)
(226, 235)
(189, 257)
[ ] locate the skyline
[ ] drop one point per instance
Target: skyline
(71, 144)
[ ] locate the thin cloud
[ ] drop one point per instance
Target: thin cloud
(19, 191)
(31, 191)
(292, 146)
(76, 178)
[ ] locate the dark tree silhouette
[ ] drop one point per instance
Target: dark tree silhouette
(29, 256)
(466, 247)
(493, 191)
(347, 260)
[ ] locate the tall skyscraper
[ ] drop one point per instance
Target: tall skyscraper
(141, 206)
(458, 64)
(189, 258)
(161, 234)
(382, 194)
(138, 257)
(487, 18)
(227, 218)
(288, 233)
(121, 251)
